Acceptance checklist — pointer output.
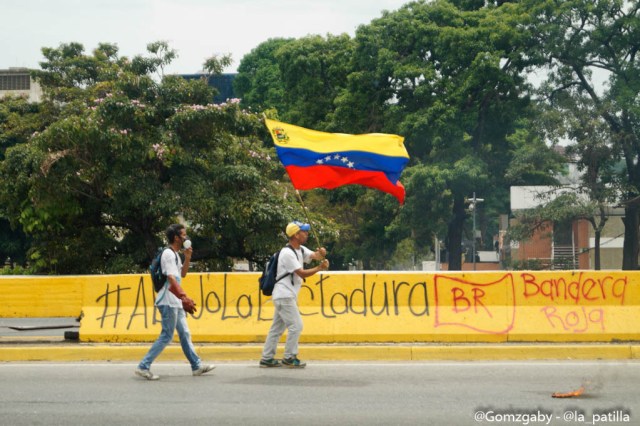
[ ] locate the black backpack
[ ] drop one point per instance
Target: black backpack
(268, 279)
(157, 277)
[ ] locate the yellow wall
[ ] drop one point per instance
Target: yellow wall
(41, 296)
(359, 307)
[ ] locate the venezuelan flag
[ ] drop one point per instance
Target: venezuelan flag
(328, 160)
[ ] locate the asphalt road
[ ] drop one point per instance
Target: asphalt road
(434, 393)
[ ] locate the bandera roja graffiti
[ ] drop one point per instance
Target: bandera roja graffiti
(384, 306)
(581, 287)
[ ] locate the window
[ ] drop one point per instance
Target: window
(15, 82)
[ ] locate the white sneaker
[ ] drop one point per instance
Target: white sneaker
(204, 368)
(147, 374)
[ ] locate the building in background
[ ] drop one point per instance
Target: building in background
(18, 82)
(223, 83)
(556, 245)
(568, 245)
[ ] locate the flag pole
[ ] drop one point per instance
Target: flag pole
(304, 208)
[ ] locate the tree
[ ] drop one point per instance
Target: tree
(19, 120)
(299, 78)
(126, 155)
(426, 210)
(259, 81)
(579, 40)
(450, 81)
(597, 159)
(447, 75)
(314, 70)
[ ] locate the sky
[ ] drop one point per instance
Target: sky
(196, 29)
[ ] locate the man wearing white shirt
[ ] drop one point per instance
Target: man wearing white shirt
(285, 295)
(172, 302)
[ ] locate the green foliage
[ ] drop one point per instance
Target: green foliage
(17, 270)
(428, 204)
(449, 81)
(259, 80)
(406, 256)
(216, 64)
(449, 76)
(532, 161)
(118, 150)
(528, 265)
(124, 156)
(579, 41)
(314, 70)
(300, 78)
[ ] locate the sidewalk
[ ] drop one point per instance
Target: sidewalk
(54, 349)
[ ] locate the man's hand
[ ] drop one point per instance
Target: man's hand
(187, 253)
(324, 265)
(188, 305)
(319, 254)
(187, 261)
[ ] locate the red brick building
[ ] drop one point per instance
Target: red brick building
(557, 246)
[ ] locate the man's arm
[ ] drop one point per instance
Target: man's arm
(187, 303)
(305, 273)
(319, 254)
(176, 288)
(187, 260)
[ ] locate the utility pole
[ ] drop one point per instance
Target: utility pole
(436, 246)
(472, 206)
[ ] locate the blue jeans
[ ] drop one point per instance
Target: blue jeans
(172, 319)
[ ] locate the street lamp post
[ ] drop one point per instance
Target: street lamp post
(473, 202)
(437, 251)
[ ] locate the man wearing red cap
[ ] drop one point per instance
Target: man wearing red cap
(291, 273)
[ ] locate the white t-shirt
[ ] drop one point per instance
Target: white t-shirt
(170, 266)
(289, 262)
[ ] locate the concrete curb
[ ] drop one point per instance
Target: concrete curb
(76, 352)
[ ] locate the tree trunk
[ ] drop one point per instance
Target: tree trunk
(598, 228)
(454, 235)
(596, 253)
(630, 248)
(150, 244)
